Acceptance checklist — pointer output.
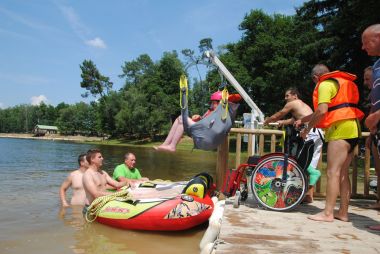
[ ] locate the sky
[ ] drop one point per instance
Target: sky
(43, 42)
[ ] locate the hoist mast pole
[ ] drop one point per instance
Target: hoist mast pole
(256, 112)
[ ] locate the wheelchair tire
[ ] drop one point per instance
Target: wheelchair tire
(266, 184)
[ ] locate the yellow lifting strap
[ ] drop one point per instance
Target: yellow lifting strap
(224, 102)
(183, 85)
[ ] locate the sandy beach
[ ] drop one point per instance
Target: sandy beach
(77, 138)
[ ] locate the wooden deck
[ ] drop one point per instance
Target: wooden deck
(249, 229)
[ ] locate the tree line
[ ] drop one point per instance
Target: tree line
(275, 52)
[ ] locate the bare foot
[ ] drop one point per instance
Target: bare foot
(165, 148)
(374, 227)
(307, 199)
(341, 217)
(375, 206)
(321, 217)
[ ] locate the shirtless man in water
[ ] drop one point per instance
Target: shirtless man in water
(95, 180)
(298, 109)
(74, 180)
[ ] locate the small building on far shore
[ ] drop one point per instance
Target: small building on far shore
(41, 130)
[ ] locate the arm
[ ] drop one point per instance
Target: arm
(113, 182)
(303, 120)
(315, 118)
(62, 191)
(372, 121)
(132, 181)
(280, 114)
(289, 121)
(123, 179)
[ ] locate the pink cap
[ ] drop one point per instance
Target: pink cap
(217, 96)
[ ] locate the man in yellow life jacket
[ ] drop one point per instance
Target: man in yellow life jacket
(335, 100)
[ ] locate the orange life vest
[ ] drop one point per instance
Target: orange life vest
(344, 104)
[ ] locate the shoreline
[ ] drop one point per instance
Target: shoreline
(51, 137)
(185, 144)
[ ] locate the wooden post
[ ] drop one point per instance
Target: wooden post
(273, 143)
(238, 150)
(319, 166)
(354, 164)
(378, 187)
(366, 171)
(250, 140)
(261, 144)
(222, 163)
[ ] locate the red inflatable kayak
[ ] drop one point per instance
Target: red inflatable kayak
(188, 208)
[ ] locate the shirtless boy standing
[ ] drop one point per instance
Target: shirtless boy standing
(95, 180)
(74, 180)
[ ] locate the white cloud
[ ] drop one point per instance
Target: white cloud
(79, 28)
(2, 106)
(36, 100)
(74, 21)
(96, 43)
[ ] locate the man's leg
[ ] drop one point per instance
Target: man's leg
(345, 190)
(376, 160)
(337, 152)
(314, 173)
(175, 131)
(175, 136)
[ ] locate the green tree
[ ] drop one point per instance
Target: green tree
(340, 25)
(150, 95)
(79, 118)
(269, 58)
(93, 81)
(134, 70)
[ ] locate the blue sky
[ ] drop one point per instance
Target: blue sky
(43, 42)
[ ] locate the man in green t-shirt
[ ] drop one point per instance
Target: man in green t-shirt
(127, 172)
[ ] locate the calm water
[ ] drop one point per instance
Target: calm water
(31, 220)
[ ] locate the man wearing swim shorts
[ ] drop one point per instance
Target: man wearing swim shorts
(335, 99)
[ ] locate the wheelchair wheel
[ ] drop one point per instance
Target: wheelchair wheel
(267, 188)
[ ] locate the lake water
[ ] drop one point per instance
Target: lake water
(31, 172)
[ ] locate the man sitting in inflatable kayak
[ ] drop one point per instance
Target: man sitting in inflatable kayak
(151, 206)
(96, 182)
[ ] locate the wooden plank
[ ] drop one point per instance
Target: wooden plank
(222, 162)
(273, 143)
(366, 171)
(238, 150)
(354, 164)
(261, 144)
(319, 166)
(256, 131)
(250, 152)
